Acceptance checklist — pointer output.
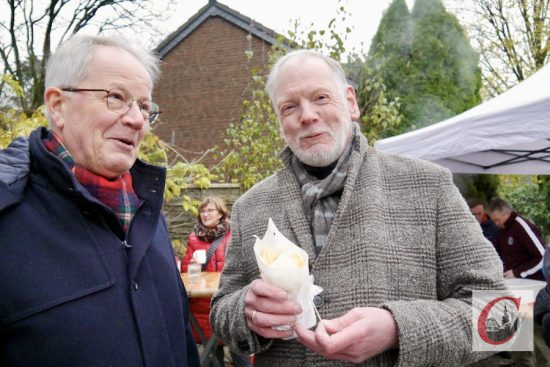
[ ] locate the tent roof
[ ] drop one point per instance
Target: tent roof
(509, 134)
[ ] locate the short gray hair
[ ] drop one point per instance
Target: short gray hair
(499, 205)
(69, 65)
(338, 72)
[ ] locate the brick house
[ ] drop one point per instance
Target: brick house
(205, 75)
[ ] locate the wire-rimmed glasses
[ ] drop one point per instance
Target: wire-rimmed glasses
(120, 102)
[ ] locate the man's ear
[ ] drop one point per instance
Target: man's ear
(352, 103)
(53, 99)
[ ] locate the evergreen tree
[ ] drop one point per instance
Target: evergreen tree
(444, 77)
(394, 30)
(389, 53)
(483, 187)
(426, 62)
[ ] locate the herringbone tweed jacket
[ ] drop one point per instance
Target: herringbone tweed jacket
(403, 239)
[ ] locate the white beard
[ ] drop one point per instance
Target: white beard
(322, 157)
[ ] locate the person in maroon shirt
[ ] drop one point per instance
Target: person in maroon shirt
(519, 242)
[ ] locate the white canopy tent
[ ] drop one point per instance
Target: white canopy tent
(509, 134)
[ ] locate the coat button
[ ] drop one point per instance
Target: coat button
(318, 301)
(135, 286)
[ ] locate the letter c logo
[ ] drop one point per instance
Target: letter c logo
(482, 321)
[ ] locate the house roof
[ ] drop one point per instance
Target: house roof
(216, 9)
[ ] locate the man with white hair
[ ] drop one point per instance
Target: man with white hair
(87, 271)
(390, 240)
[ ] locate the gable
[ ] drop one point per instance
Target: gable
(215, 9)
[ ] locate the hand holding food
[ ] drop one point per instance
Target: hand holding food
(285, 265)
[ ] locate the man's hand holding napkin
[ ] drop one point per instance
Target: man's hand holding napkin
(284, 295)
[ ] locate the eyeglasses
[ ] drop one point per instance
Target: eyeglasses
(208, 211)
(120, 102)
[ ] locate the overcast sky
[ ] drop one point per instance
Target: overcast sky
(280, 14)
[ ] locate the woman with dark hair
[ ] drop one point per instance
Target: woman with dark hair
(212, 234)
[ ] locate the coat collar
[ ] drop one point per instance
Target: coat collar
(148, 181)
(510, 220)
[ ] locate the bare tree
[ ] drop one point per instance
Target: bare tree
(512, 37)
(29, 28)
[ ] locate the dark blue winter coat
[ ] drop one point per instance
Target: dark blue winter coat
(74, 291)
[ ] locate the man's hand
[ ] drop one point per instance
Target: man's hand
(509, 274)
(267, 306)
(354, 337)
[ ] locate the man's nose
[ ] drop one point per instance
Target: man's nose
(308, 113)
(134, 117)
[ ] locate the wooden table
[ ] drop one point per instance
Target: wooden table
(204, 288)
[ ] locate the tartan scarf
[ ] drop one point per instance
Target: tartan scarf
(320, 195)
(117, 194)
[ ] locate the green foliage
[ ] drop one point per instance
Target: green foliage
(379, 113)
(329, 41)
(13, 85)
(483, 187)
(179, 174)
(394, 31)
(529, 196)
(444, 66)
(390, 48)
(426, 62)
(251, 147)
(14, 122)
(389, 57)
(179, 247)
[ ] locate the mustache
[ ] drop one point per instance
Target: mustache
(311, 132)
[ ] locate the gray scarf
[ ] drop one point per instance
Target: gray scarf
(320, 201)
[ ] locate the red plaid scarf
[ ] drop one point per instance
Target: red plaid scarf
(117, 194)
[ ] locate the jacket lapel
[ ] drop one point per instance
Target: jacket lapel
(148, 182)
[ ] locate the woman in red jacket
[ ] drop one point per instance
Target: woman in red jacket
(212, 234)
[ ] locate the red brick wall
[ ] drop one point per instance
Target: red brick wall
(204, 81)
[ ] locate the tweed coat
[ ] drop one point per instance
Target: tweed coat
(403, 239)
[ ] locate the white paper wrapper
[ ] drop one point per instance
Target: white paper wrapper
(285, 265)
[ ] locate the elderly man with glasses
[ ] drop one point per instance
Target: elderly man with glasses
(87, 273)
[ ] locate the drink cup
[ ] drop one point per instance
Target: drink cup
(200, 256)
(194, 272)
